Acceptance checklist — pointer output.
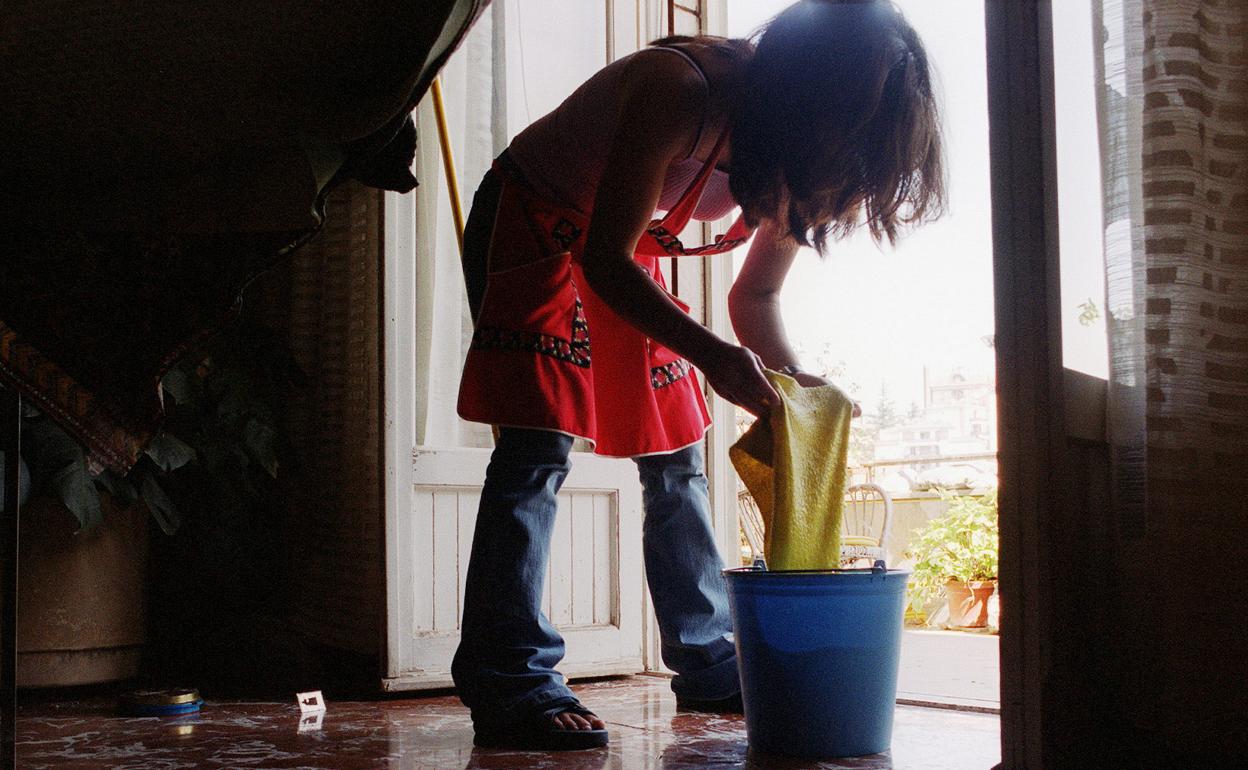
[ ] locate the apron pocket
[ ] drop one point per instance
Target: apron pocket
(666, 366)
(535, 308)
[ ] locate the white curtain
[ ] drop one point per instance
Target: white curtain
(1175, 139)
(1121, 118)
(1174, 116)
(474, 88)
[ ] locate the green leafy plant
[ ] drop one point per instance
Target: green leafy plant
(218, 445)
(961, 544)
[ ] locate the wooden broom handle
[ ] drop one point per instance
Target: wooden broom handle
(448, 163)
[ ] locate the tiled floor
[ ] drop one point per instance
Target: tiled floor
(434, 732)
(951, 667)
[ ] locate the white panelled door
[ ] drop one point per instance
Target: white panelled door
(531, 54)
(592, 593)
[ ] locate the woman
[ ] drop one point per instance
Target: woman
(826, 124)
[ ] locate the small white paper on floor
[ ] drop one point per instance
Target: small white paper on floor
(311, 721)
(310, 702)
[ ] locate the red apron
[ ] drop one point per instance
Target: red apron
(549, 354)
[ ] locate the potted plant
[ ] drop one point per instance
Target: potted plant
(956, 556)
(84, 534)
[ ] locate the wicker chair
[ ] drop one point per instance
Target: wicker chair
(751, 524)
(867, 515)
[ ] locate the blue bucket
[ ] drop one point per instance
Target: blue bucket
(818, 655)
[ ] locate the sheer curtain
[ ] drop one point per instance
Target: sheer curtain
(474, 86)
(1174, 117)
(1120, 106)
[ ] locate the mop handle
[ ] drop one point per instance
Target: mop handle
(448, 163)
(452, 181)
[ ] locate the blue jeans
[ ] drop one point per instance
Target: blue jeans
(508, 651)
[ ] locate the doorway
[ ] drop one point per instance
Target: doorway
(409, 433)
(907, 331)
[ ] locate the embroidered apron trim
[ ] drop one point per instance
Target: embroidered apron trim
(662, 376)
(638, 398)
(565, 233)
(671, 243)
(574, 351)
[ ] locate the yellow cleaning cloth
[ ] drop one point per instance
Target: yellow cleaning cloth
(794, 464)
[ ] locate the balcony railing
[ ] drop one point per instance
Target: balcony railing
(870, 472)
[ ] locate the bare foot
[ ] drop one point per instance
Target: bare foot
(569, 721)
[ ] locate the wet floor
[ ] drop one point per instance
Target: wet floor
(434, 732)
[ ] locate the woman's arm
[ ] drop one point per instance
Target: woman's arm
(754, 302)
(659, 121)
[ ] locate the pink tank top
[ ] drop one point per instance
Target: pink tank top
(563, 153)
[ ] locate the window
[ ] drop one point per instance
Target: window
(1085, 346)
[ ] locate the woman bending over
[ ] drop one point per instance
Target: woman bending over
(823, 123)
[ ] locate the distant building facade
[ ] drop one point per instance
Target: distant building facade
(958, 418)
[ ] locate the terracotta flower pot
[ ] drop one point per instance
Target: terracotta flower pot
(968, 602)
(81, 608)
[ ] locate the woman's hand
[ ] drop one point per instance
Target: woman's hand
(736, 373)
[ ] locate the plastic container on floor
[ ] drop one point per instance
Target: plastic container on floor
(160, 703)
(818, 653)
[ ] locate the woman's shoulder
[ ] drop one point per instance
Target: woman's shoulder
(676, 72)
(706, 56)
(666, 90)
(685, 83)
(712, 45)
(664, 71)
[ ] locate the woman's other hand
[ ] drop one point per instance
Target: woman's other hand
(736, 373)
(808, 380)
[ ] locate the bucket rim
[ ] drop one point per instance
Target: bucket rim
(763, 573)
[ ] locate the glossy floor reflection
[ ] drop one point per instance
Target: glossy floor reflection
(434, 733)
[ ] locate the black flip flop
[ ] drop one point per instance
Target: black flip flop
(730, 705)
(536, 732)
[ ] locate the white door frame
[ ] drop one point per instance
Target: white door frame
(417, 657)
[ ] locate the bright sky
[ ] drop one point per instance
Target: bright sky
(887, 312)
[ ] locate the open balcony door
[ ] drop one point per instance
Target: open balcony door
(1057, 533)
(530, 54)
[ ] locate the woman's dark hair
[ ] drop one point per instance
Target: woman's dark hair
(835, 125)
